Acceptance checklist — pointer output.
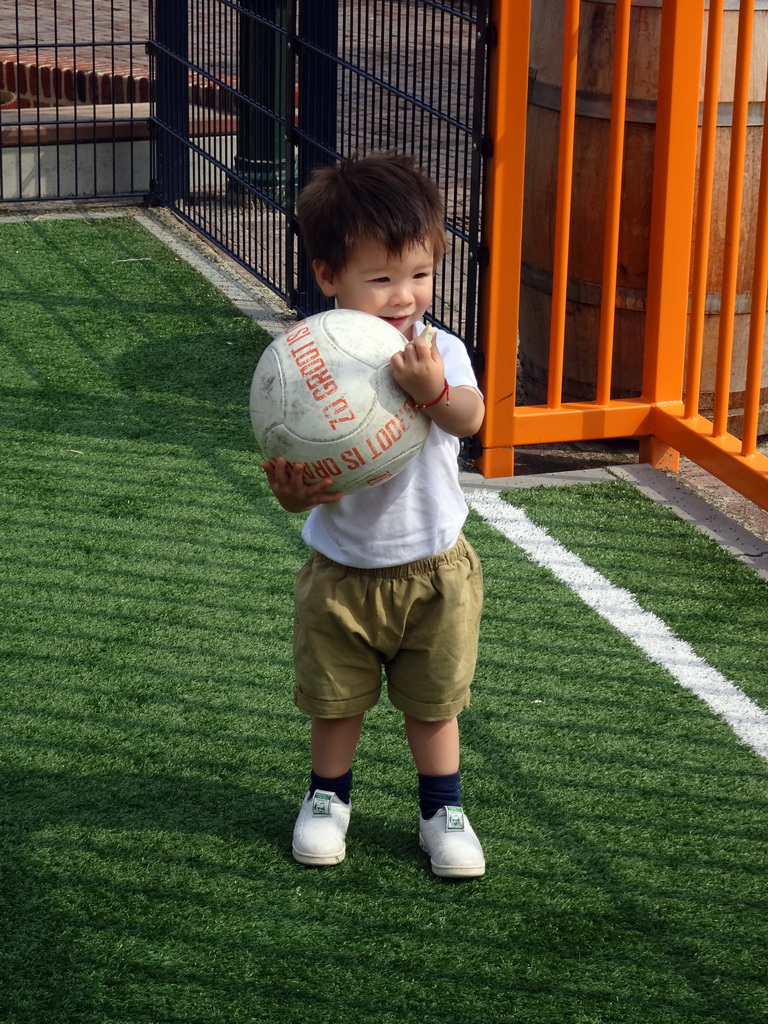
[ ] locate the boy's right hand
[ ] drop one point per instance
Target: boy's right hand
(287, 483)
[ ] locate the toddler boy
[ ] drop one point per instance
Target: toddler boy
(390, 581)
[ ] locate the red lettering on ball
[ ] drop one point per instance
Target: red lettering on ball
(333, 412)
(320, 469)
(311, 366)
(352, 459)
(300, 331)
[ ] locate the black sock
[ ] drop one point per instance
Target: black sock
(436, 791)
(341, 786)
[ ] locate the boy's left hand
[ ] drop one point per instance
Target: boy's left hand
(419, 370)
(287, 483)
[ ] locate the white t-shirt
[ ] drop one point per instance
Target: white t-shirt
(417, 514)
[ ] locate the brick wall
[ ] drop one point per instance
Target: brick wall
(46, 85)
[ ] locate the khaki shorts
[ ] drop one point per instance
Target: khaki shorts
(420, 622)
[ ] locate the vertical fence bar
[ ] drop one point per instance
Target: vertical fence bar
(507, 102)
(613, 201)
(757, 311)
(476, 119)
(703, 210)
(673, 193)
(564, 192)
(318, 103)
(674, 171)
(172, 99)
(261, 158)
(733, 220)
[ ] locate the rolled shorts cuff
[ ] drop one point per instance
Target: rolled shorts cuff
(346, 708)
(428, 712)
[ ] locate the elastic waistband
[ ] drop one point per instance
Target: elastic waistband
(394, 572)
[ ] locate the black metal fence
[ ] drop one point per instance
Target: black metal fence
(220, 110)
(74, 99)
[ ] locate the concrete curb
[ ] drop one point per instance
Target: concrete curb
(253, 300)
(512, 483)
(729, 534)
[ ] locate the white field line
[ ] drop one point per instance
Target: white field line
(619, 607)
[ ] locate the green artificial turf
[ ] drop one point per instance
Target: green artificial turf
(153, 763)
(694, 585)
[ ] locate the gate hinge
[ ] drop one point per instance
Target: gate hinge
(482, 256)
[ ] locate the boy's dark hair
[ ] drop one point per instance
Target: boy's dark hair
(382, 198)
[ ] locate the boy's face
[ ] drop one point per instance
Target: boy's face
(397, 289)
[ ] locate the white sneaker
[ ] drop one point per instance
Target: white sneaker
(453, 847)
(320, 829)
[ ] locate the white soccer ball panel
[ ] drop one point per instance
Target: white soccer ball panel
(267, 404)
(323, 394)
(359, 336)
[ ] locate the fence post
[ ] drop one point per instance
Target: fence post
(317, 114)
(672, 212)
(172, 99)
(261, 150)
(503, 227)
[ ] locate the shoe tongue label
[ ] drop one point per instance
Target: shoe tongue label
(321, 803)
(454, 819)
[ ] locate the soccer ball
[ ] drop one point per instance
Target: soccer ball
(323, 394)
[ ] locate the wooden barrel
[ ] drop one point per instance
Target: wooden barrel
(591, 143)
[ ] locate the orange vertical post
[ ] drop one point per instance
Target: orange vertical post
(508, 98)
(564, 193)
(672, 210)
(757, 313)
(613, 201)
(703, 210)
(733, 221)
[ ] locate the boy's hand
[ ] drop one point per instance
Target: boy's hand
(287, 483)
(419, 370)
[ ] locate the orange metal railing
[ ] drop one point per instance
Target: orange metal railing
(680, 273)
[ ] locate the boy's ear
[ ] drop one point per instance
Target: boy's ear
(325, 277)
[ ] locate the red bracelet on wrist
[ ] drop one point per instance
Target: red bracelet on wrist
(445, 393)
